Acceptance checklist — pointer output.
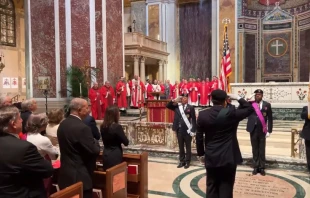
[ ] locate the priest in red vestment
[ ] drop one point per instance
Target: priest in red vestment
(184, 88)
(204, 92)
(153, 88)
(215, 83)
(121, 94)
(108, 96)
(96, 100)
(193, 93)
(137, 94)
(175, 90)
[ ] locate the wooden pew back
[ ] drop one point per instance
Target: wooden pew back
(73, 191)
(113, 182)
(138, 184)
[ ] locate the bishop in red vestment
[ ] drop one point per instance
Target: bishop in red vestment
(175, 90)
(204, 91)
(137, 94)
(108, 96)
(96, 101)
(215, 83)
(193, 93)
(121, 94)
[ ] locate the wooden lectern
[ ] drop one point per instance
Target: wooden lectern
(157, 111)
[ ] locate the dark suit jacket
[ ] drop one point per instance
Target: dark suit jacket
(221, 143)
(90, 121)
(25, 115)
(267, 113)
(79, 151)
(189, 112)
(22, 169)
(305, 133)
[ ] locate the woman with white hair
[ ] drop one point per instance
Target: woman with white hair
(35, 125)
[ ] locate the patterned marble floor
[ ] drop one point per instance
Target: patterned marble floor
(165, 180)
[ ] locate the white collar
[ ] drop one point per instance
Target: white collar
(76, 116)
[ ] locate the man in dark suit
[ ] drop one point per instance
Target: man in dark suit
(305, 133)
(91, 122)
(257, 133)
(184, 134)
(78, 148)
(221, 149)
(22, 168)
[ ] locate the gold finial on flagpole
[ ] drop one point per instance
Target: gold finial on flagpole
(226, 21)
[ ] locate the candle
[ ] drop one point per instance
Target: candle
(81, 89)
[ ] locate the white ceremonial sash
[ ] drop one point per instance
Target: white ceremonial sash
(189, 126)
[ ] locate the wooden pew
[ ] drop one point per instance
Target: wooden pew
(73, 191)
(113, 182)
(137, 184)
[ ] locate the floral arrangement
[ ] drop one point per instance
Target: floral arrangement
(242, 93)
(301, 94)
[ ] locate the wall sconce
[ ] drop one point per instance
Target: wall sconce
(2, 65)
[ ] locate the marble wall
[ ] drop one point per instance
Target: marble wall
(250, 58)
(80, 28)
(115, 56)
(195, 39)
(304, 59)
(153, 21)
(138, 13)
(75, 42)
(43, 45)
(99, 40)
(272, 63)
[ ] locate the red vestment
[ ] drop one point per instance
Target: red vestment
(184, 89)
(193, 93)
(121, 94)
(149, 90)
(204, 91)
(175, 91)
(137, 95)
(96, 101)
(108, 98)
(215, 85)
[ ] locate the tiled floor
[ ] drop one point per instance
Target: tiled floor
(165, 180)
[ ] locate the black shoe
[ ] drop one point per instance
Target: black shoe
(255, 171)
(186, 166)
(181, 164)
(262, 172)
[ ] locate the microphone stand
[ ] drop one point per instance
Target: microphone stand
(45, 93)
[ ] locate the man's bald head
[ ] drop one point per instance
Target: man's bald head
(79, 107)
(5, 101)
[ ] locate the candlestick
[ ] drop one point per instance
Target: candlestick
(81, 90)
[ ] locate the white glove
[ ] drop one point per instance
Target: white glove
(251, 96)
(267, 134)
(192, 134)
(234, 96)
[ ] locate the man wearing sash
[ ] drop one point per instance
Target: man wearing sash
(220, 152)
(137, 94)
(257, 127)
(184, 124)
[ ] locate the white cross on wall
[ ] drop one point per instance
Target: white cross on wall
(277, 45)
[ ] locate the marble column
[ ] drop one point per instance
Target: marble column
(165, 70)
(142, 69)
(160, 72)
(136, 65)
(227, 9)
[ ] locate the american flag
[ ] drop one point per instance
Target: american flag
(225, 65)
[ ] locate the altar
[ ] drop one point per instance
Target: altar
(157, 111)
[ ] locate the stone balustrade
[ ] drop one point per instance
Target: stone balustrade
(136, 39)
(280, 95)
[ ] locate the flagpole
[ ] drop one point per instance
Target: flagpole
(226, 21)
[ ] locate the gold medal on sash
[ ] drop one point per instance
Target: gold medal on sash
(264, 114)
(187, 115)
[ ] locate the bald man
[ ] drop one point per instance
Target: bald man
(5, 101)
